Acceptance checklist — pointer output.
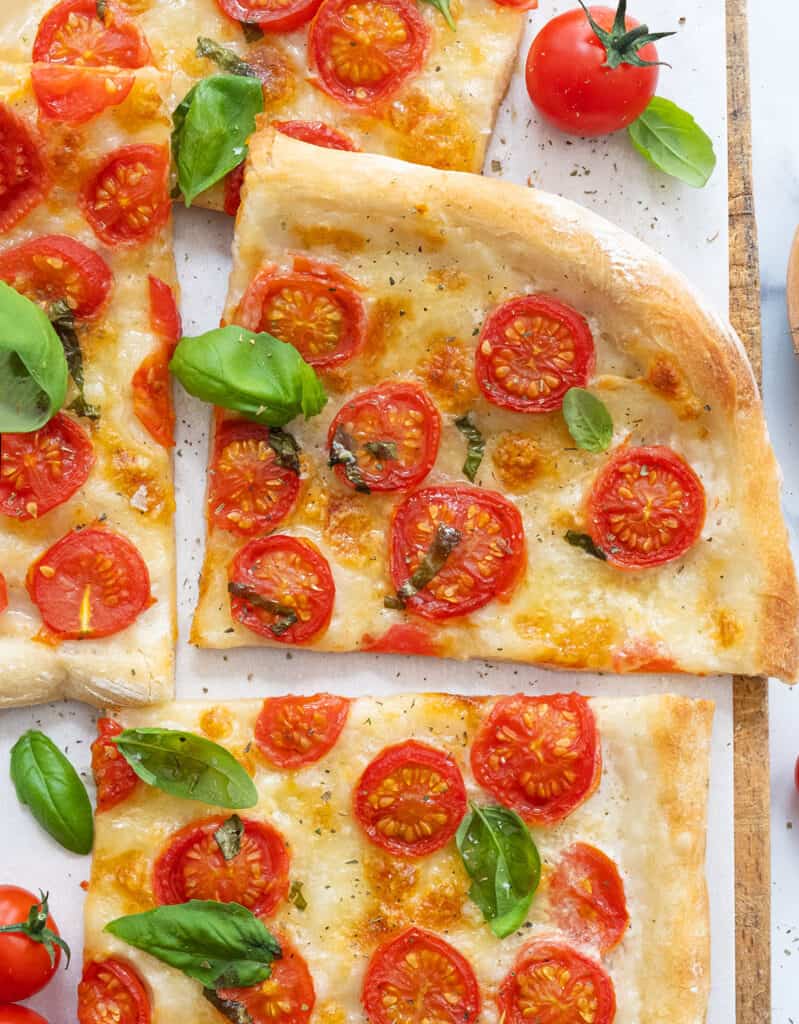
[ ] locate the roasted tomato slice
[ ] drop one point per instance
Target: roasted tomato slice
(401, 638)
(250, 491)
(53, 267)
(151, 384)
(3, 594)
(292, 732)
(112, 991)
(126, 200)
(233, 182)
(293, 577)
(24, 181)
(75, 95)
(393, 431)
(646, 508)
(317, 133)
(43, 469)
(271, 15)
(486, 563)
(531, 350)
(364, 50)
(113, 776)
(586, 897)
(74, 32)
(192, 867)
(410, 799)
(89, 584)
(418, 978)
(551, 983)
(316, 310)
(286, 997)
(539, 755)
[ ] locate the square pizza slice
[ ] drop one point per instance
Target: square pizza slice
(86, 501)
(417, 858)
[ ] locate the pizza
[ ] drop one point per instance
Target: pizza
(356, 855)
(448, 316)
(86, 500)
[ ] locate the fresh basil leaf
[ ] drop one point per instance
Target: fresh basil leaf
(342, 453)
(102, 7)
(35, 929)
(475, 446)
(228, 837)
(588, 420)
(252, 33)
(255, 374)
(285, 447)
(503, 863)
(383, 451)
(286, 616)
(188, 766)
(443, 6)
(228, 60)
(232, 1009)
(671, 139)
(297, 897)
(447, 538)
(46, 781)
(211, 128)
(582, 540)
(33, 368)
(63, 320)
(221, 945)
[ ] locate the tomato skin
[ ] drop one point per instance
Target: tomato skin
(3, 594)
(13, 1014)
(292, 732)
(151, 383)
(74, 96)
(567, 82)
(401, 638)
(587, 899)
(22, 170)
(316, 133)
(140, 174)
(25, 966)
(113, 776)
(72, 24)
(112, 990)
(52, 267)
(282, 19)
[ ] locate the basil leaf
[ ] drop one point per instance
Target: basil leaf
(232, 1009)
(286, 616)
(475, 446)
(588, 420)
(46, 781)
(503, 863)
(228, 60)
(228, 837)
(672, 140)
(102, 7)
(384, 451)
(255, 374)
(443, 6)
(297, 897)
(252, 33)
(342, 453)
(285, 447)
(221, 945)
(447, 538)
(35, 929)
(211, 128)
(188, 766)
(582, 540)
(33, 368)
(63, 320)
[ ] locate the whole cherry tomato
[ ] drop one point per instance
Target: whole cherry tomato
(30, 946)
(19, 1015)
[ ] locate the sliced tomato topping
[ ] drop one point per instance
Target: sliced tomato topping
(43, 469)
(551, 983)
(24, 181)
(164, 313)
(151, 384)
(531, 350)
(250, 491)
(113, 776)
(393, 431)
(233, 182)
(364, 50)
(411, 799)
(193, 867)
(317, 133)
(3, 594)
(53, 267)
(286, 997)
(126, 200)
(74, 32)
(292, 573)
(317, 310)
(646, 508)
(89, 584)
(486, 563)
(401, 638)
(519, 5)
(539, 756)
(418, 978)
(111, 992)
(75, 95)
(586, 897)
(271, 15)
(292, 732)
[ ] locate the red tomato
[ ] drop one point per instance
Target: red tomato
(270, 15)
(53, 267)
(233, 182)
(126, 200)
(539, 756)
(113, 776)
(401, 638)
(43, 469)
(192, 867)
(250, 491)
(73, 32)
(112, 991)
(3, 594)
(317, 310)
(291, 572)
(532, 349)
(25, 966)
(19, 1015)
(164, 313)
(551, 983)
(796, 773)
(586, 898)
(151, 383)
(292, 732)
(646, 508)
(410, 799)
(25, 181)
(519, 5)
(286, 997)
(401, 415)
(89, 584)
(418, 977)
(74, 95)
(317, 133)
(365, 50)
(487, 562)
(570, 80)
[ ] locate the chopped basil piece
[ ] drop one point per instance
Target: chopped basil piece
(286, 616)
(252, 33)
(227, 60)
(384, 451)
(582, 540)
(296, 896)
(342, 453)
(447, 538)
(588, 420)
(475, 446)
(443, 6)
(228, 837)
(230, 1008)
(102, 7)
(35, 929)
(285, 447)
(63, 320)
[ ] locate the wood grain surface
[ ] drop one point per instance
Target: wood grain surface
(750, 696)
